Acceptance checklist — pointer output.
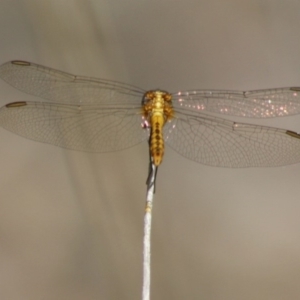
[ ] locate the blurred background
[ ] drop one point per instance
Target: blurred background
(71, 222)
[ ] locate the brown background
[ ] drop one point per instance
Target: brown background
(71, 223)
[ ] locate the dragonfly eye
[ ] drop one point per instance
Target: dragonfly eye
(148, 97)
(167, 97)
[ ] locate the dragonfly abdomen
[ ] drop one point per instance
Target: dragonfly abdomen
(157, 146)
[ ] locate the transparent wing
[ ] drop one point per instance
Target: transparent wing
(84, 128)
(96, 115)
(252, 104)
(57, 86)
(223, 143)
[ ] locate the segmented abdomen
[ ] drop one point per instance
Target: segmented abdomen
(156, 138)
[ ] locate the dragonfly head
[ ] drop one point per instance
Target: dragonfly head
(151, 95)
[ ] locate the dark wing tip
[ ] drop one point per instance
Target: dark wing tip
(295, 88)
(293, 134)
(16, 104)
(20, 63)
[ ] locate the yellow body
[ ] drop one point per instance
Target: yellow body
(157, 109)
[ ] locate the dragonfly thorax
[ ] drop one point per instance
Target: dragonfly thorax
(157, 102)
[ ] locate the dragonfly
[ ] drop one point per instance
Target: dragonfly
(97, 115)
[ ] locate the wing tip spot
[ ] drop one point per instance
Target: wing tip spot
(20, 63)
(293, 134)
(296, 88)
(16, 104)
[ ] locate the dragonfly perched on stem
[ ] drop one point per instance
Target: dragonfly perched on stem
(96, 115)
(90, 114)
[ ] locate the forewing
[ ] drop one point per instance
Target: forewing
(84, 128)
(252, 104)
(57, 86)
(223, 143)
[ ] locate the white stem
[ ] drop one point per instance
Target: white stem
(147, 234)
